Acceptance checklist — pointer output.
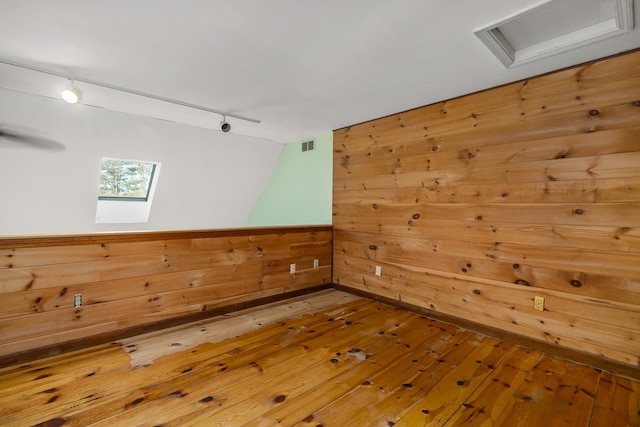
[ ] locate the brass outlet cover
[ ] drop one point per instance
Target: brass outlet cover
(538, 303)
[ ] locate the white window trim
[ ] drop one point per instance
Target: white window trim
(127, 211)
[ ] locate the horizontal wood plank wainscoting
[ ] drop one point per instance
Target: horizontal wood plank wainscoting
(133, 282)
(473, 206)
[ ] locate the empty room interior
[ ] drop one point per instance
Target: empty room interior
(320, 213)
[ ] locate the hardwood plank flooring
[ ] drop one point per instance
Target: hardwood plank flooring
(327, 359)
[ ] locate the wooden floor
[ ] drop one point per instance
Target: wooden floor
(328, 359)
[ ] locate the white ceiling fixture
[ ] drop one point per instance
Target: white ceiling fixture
(556, 26)
(71, 94)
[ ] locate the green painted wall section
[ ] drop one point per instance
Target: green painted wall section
(300, 189)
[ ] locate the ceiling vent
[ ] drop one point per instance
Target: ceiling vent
(556, 26)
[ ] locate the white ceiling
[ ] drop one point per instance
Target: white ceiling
(301, 67)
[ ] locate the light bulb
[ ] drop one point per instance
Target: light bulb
(71, 95)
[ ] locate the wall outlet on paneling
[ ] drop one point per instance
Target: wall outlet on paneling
(77, 301)
(378, 270)
(316, 263)
(292, 268)
(538, 303)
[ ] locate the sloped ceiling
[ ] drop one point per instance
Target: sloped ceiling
(301, 67)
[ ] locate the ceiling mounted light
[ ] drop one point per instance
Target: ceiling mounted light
(75, 93)
(71, 94)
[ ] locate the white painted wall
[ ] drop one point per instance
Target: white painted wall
(209, 179)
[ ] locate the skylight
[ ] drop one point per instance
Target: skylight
(126, 190)
(125, 179)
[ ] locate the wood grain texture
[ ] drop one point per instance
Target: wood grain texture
(329, 359)
(475, 205)
(126, 282)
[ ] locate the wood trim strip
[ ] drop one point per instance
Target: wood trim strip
(77, 344)
(612, 366)
(10, 242)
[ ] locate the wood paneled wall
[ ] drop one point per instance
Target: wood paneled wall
(134, 279)
(475, 205)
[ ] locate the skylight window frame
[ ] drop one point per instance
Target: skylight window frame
(130, 198)
(130, 210)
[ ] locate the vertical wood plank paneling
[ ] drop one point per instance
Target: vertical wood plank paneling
(133, 279)
(475, 205)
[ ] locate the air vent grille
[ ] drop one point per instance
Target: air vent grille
(308, 145)
(555, 27)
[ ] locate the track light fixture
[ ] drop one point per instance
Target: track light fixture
(71, 94)
(224, 125)
(74, 94)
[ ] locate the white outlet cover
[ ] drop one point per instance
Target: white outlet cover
(316, 263)
(292, 268)
(378, 270)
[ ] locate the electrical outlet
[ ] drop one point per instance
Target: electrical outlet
(77, 301)
(316, 263)
(378, 270)
(292, 268)
(538, 303)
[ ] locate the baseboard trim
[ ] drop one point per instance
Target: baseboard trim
(27, 356)
(612, 366)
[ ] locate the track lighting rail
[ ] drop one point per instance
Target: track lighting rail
(129, 91)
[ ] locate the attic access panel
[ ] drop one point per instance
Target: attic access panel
(555, 26)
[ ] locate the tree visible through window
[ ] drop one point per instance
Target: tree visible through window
(125, 179)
